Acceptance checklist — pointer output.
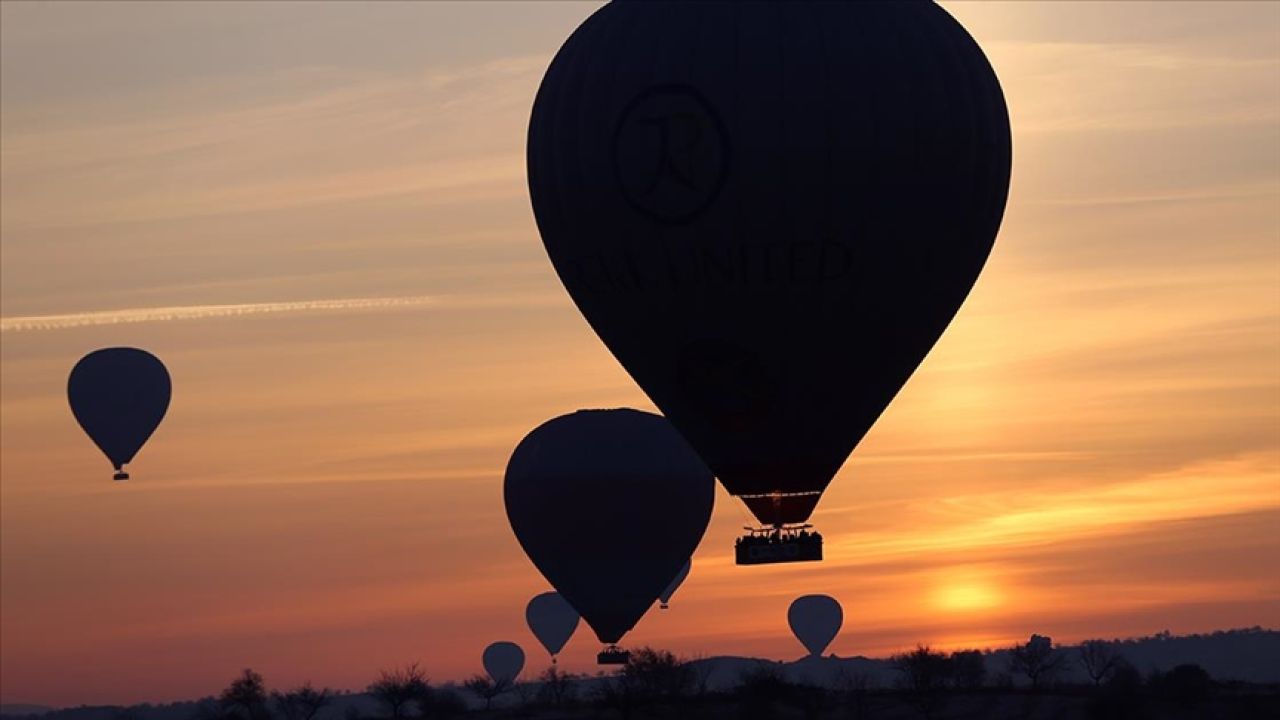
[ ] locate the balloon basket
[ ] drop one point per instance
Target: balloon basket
(121, 475)
(784, 544)
(612, 655)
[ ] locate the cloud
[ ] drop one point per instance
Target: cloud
(203, 312)
(1067, 87)
(967, 523)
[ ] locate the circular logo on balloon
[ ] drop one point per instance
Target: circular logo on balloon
(670, 155)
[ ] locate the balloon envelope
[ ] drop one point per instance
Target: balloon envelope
(815, 620)
(608, 504)
(552, 620)
(119, 396)
(503, 661)
(769, 212)
(675, 583)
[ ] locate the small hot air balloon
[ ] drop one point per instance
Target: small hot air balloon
(665, 598)
(119, 396)
(608, 504)
(815, 620)
(552, 621)
(770, 212)
(503, 661)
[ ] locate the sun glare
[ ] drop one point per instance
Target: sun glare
(965, 596)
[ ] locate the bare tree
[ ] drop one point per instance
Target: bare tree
(1100, 659)
(246, 697)
(1038, 660)
(557, 687)
(924, 675)
(398, 689)
(302, 703)
(486, 688)
(525, 692)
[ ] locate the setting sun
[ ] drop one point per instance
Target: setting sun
(966, 594)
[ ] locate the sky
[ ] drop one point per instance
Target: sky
(316, 215)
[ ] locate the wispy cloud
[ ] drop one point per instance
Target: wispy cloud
(983, 522)
(203, 312)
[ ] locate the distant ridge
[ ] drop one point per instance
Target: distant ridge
(1250, 655)
(17, 709)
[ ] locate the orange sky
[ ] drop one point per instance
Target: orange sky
(1092, 449)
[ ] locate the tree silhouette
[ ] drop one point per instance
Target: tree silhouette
(760, 689)
(487, 688)
(302, 703)
(923, 676)
(556, 687)
(397, 689)
(1099, 658)
(618, 693)
(246, 697)
(649, 676)
(1186, 684)
(968, 669)
(659, 675)
(1038, 660)
(856, 687)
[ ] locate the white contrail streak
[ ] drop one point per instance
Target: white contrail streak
(201, 312)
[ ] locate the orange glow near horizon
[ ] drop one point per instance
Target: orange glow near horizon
(1091, 450)
(963, 592)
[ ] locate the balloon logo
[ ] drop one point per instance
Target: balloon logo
(815, 620)
(552, 621)
(769, 213)
(669, 153)
(119, 396)
(581, 493)
(665, 598)
(503, 661)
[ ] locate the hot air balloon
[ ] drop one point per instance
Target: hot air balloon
(119, 396)
(503, 661)
(769, 212)
(815, 620)
(552, 621)
(608, 504)
(665, 598)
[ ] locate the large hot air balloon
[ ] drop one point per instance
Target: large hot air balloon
(769, 212)
(815, 620)
(664, 599)
(119, 396)
(608, 504)
(503, 661)
(552, 621)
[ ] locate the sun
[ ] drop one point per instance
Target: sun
(965, 593)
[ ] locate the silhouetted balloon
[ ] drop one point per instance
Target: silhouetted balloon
(769, 212)
(608, 504)
(815, 620)
(503, 661)
(552, 620)
(665, 598)
(119, 396)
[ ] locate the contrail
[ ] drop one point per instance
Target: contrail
(201, 312)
